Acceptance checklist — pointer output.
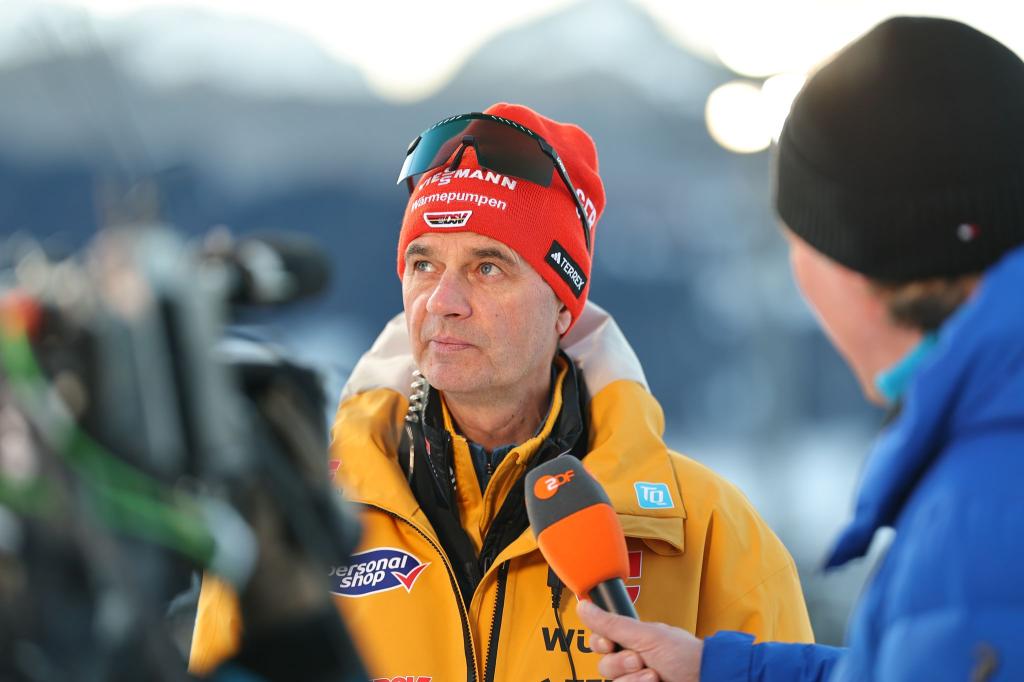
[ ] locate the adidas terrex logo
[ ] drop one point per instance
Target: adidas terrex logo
(558, 258)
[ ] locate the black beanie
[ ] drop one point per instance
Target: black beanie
(903, 157)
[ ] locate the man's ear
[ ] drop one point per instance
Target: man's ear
(564, 319)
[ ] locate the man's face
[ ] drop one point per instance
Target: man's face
(481, 320)
(851, 313)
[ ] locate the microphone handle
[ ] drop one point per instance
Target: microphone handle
(611, 596)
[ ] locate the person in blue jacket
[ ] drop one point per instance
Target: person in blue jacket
(900, 186)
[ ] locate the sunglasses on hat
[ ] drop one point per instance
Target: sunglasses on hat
(501, 145)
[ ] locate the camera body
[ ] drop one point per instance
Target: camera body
(156, 444)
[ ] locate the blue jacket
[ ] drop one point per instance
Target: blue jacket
(947, 601)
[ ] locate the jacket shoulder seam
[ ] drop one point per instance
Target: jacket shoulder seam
(789, 566)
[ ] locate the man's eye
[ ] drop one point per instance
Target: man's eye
(489, 269)
(421, 266)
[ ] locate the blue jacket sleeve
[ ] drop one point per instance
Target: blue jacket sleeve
(733, 657)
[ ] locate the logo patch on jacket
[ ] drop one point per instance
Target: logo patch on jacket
(376, 570)
(653, 495)
(404, 678)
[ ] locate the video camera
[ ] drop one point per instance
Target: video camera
(136, 445)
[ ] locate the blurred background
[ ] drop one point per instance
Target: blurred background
(295, 116)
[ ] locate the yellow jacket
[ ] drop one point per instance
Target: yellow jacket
(700, 556)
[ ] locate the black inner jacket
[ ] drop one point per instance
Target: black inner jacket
(433, 485)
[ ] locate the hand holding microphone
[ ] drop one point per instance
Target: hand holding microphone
(581, 538)
(641, 652)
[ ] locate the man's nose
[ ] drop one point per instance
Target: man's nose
(450, 297)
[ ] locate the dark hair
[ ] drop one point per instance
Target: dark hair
(926, 304)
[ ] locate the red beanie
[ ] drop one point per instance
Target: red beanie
(539, 223)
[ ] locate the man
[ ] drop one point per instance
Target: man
(494, 256)
(900, 182)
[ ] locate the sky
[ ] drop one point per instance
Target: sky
(406, 51)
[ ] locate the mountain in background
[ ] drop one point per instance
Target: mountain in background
(687, 256)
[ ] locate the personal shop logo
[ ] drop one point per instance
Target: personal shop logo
(376, 570)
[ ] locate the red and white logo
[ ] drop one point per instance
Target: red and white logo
(636, 564)
(404, 678)
(588, 206)
(447, 219)
(332, 468)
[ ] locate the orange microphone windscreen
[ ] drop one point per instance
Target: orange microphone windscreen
(576, 528)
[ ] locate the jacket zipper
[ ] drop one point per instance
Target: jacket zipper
(466, 635)
(499, 606)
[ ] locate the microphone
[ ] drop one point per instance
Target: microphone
(269, 269)
(578, 533)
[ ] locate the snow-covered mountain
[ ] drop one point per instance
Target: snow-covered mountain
(593, 41)
(688, 227)
(167, 47)
(175, 47)
(258, 107)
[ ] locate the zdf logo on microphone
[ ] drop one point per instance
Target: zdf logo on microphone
(547, 486)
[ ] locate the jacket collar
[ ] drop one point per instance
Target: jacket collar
(624, 426)
(568, 425)
(595, 343)
(628, 457)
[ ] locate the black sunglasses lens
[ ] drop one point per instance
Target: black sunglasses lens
(434, 148)
(509, 151)
(499, 147)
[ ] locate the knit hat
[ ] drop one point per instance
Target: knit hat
(539, 223)
(903, 157)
